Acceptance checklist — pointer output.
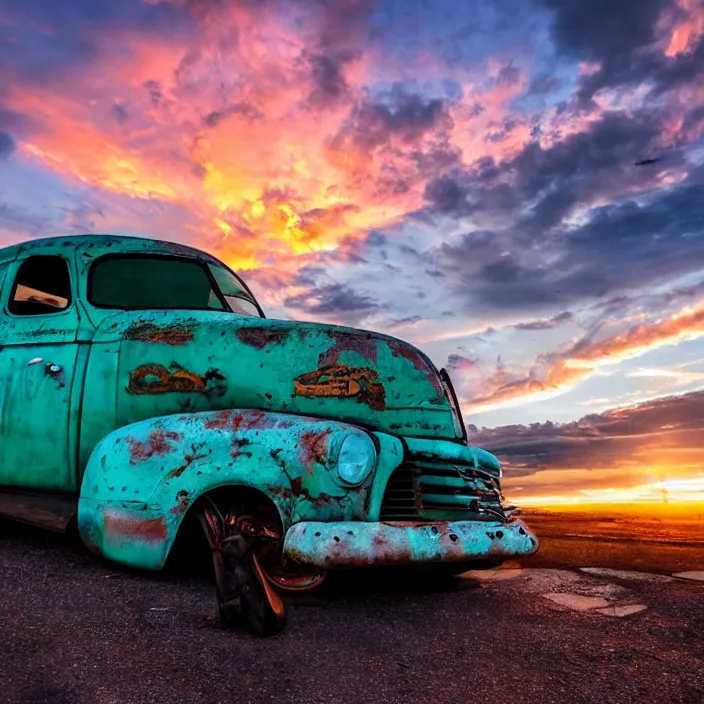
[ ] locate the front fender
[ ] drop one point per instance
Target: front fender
(141, 479)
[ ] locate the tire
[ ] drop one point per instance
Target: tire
(258, 605)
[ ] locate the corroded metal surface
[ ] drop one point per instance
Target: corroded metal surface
(153, 409)
(156, 379)
(239, 362)
(343, 382)
(180, 334)
(347, 545)
(160, 467)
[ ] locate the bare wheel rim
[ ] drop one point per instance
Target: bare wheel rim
(295, 579)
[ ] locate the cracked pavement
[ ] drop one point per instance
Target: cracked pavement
(78, 630)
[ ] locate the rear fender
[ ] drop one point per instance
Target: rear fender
(142, 479)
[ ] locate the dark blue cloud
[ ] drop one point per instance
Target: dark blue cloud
(336, 300)
(448, 195)
(7, 145)
(615, 35)
(604, 30)
(627, 246)
(241, 108)
(553, 180)
(329, 85)
(598, 439)
(546, 324)
(40, 38)
(406, 117)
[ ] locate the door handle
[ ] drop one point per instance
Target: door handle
(51, 368)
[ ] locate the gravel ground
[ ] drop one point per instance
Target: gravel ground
(75, 629)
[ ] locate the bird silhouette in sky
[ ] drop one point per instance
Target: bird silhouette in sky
(646, 162)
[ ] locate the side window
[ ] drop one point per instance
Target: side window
(42, 285)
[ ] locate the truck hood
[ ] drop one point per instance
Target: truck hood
(173, 361)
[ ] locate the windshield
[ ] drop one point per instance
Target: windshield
(134, 282)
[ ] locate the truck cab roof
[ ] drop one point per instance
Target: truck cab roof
(88, 242)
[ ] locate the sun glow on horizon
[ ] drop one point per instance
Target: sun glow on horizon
(669, 491)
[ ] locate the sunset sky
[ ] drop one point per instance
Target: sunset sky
(459, 174)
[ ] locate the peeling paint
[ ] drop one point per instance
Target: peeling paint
(175, 335)
(313, 448)
(150, 433)
(363, 343)
(299, 490)
(261, 337)
(189, 459)
(183, 500)
(343, 382)
(418, 360)
(119, 526)
(157, 379)
(158, 443)
(234, 421)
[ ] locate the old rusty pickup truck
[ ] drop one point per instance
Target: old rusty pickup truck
(147, 400)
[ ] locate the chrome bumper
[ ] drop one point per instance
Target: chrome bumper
(357, 544)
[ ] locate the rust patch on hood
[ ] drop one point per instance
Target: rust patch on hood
(168, 334)
(261, 337)
(163, 381)
(365, 345)
(417, 359)
(341, 381)
(188, 460)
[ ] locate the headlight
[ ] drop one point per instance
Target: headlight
(356, 458)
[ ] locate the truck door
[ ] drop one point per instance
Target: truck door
(39, 386)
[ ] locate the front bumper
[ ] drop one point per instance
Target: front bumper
(356, 544)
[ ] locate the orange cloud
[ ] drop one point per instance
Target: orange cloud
(562, 370)
(230, 122)
(687, 29)
(644, 453)
(217, 124)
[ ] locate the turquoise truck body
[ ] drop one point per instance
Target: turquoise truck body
(126, 417)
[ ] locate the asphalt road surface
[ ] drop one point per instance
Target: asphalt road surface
(75, 629)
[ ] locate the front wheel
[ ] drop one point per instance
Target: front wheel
(244, 593)
(248, 591)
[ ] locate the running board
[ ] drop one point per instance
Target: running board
(44, 510)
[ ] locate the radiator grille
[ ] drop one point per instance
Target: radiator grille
(426, 491)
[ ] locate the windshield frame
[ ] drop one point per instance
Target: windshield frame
(203, 263)
(240, 281)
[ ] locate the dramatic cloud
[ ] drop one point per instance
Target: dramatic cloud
(460, 175)
(332, 300)
(624, 450)
(546, 324)
(562, 369)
